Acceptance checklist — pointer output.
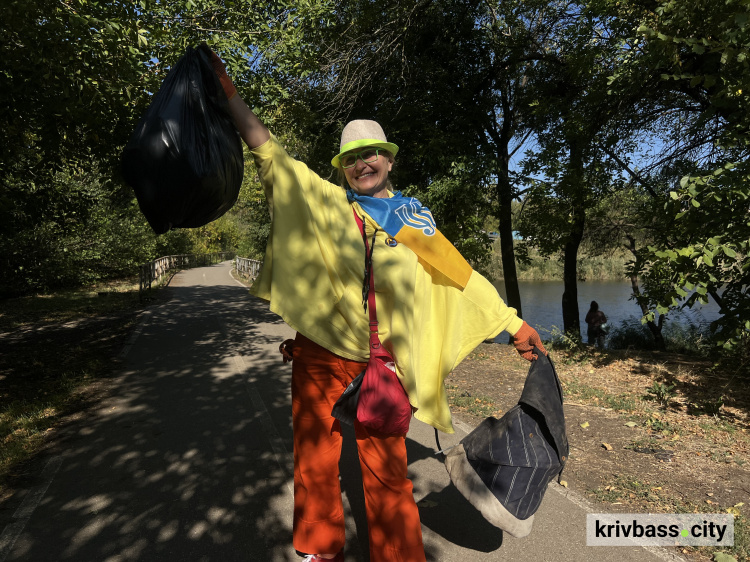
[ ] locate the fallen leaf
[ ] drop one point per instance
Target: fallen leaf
(584, 425)
(739, 504)
(564, 483)
(631, 424)
(607, 446)
(733, 511)
(709, 502)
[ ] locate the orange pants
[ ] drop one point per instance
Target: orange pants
(318, 379)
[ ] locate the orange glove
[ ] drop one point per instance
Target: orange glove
(287, 350)
(221, 72)
(525, 340)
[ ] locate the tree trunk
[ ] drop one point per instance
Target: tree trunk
(505, 193)
(507, 252)
(571, 314)
(574, 189)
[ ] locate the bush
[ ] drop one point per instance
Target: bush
(681, 335)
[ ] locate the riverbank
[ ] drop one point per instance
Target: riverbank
(539, 268)
(648, 432)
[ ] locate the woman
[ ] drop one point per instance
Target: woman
(595, 318)
(432, 311)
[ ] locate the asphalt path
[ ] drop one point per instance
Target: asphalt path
(188, 458)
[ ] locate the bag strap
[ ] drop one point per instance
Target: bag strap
(369, 283)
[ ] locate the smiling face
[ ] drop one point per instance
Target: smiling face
(370, 178)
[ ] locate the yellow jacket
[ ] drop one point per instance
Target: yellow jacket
(312, 276)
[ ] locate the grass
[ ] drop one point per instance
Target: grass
(626, 489)
(480, 406)
(574, 388)
(65, 306)
(55, 346)
(24, 423)
(664, 427)
(717, 424)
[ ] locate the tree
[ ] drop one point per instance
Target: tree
(699, 54)
(77, 75)
(574, 120)
(414, 67)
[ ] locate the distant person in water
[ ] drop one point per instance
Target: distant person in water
(596, 321)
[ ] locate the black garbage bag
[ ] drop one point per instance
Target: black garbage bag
(184, 160)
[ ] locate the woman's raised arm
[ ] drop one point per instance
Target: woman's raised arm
(251, 129)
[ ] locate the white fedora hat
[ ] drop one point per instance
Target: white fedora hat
(360, 133)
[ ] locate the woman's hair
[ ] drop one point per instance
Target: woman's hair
(594, 306)
(341, 176)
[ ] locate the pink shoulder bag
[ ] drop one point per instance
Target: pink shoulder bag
(381, 401)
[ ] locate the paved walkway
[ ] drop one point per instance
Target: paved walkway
(189, 458)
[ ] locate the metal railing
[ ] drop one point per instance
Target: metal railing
(247, 267)
(154, 271)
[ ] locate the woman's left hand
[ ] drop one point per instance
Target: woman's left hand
(525, 340)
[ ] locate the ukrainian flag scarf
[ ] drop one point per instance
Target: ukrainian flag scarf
(408, 222)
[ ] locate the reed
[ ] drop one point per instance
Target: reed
(540, 268)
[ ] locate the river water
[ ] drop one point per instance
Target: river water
(542, 304)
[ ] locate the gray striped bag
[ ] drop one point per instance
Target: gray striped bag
(504, 465)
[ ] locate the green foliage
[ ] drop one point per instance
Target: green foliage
(77, 75)
(697, 57)
(460, 204)
(65, 234)
(71, 71)
(711, 257)
(662, 393)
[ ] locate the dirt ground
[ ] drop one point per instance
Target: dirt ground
(630, 451)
